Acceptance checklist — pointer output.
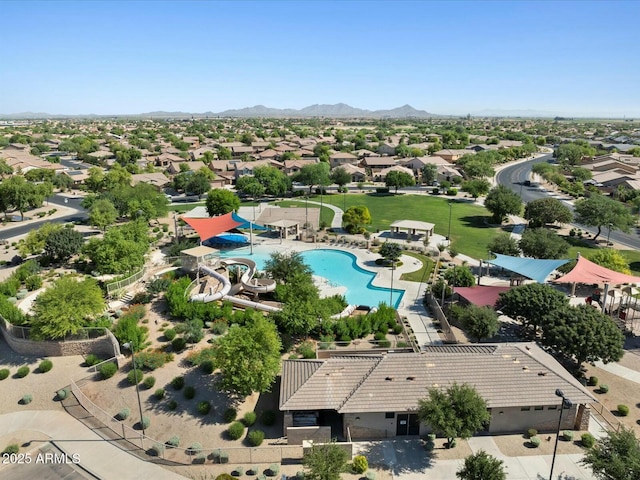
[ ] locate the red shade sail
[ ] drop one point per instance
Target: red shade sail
(586, 271)
(482, 296)
(210, 227)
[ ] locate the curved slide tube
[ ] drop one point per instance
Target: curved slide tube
(345, 313)
(250, 284)
(211, 296)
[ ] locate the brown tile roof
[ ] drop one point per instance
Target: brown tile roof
(505, 375)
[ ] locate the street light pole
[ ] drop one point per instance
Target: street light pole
(565, 402)
(449, 234)
(129, 346)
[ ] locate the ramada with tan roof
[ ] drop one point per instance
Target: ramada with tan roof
(376, 396)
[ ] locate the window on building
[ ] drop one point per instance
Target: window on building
(525, 409)
(538, 408)
(552, 407)
(390, 415)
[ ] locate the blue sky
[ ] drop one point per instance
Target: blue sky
(455, 57)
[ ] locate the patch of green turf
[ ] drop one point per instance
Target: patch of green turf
(421, 275)
(470, 234)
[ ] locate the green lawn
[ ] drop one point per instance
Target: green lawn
(326, 214)
(469, 233)
(421, 275)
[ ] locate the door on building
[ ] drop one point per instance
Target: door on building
(407, 424)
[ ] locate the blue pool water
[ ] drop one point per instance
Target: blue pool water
(228, 238)
(339, 268)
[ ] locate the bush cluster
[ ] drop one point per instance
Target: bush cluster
(255, 437)
(174, 441)
(219, 327)
(230, 414)
(92, 360)
(532, 432)
(172, 405)
(249, 418)
(4, 373)
(593, 381)
(204, 407)
(149, 382)
(135, 376)
(567, 435)
(146, 422)
(152, 360)
(189, 392)
(588, 440)
(235, 430)
(108, 370)
(347, 329)
(123, 414)
(360, 464)
(207, 367)
(23, 372)
(159, 394)
(623, 410)
(177, 383)
(62, 393)
(535, 441)
(178, 344)
(11, 449)
(169, 334)
(156, 450)
(194, 448)
(603, 388)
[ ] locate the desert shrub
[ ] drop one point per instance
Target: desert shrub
(159, 394)
(249, 418)
(146, 422)
(300, 475)
(237, 472)
(152, 360)
(273, 470)
(623, 410)
(149, 382)
(603, 388)
(194, 449)
(593, 381)
(108, 370)
(384, 344)
(235, 430)
(230, 414)
(380, 336)
(172, 405)
(135, 376)
(397, 329)
(178, 344)
(11, 449)
(219, 327)
(532, 432)
(360, 464)
(33, 282)
(4, 373)
(156, 450)
(123, 414)
(189, 392)
(535, 441)
(255, 437)
(26, 399)
(207, 366)
(62, 393)
(567, 435)
(174, 441)
(92, 360)
(268, 418)
(587, 440)
(169, 334)
(307, 350)
(23, 372)
(204, 407)
(177, 383)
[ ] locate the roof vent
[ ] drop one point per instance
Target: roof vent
(389, 379)
(411, 379)
(542, 374)
(525, 369)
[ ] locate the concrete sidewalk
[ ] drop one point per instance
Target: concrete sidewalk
(97, 456)
(620, 371)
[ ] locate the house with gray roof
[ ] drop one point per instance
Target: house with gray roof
(376, 395)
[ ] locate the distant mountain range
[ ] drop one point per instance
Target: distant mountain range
(340, 110)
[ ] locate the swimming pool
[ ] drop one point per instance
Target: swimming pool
(339, 268)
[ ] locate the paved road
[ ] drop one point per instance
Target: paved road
(78, 213)
(513, 176)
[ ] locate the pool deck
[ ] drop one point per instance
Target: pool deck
(411, 305)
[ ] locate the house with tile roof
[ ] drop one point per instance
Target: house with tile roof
(376, 396)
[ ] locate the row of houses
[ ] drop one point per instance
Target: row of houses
(612, 171)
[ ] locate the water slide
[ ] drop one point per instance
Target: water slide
(247, 282)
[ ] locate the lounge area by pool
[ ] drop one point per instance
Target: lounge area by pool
(339, 268)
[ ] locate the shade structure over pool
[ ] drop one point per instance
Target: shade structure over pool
(534, 268)
(210, 227)
(246, 223)
(483, 295)
(586, 271)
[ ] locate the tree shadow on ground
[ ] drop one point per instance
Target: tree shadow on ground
(477, 221)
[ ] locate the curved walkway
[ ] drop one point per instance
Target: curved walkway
(337, 217)
(97, 456)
